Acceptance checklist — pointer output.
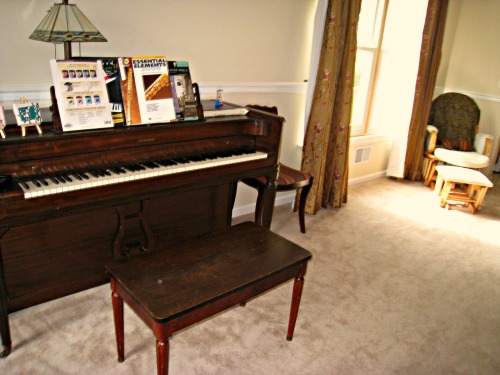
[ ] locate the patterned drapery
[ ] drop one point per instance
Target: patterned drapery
(325, 153)
(430, 56)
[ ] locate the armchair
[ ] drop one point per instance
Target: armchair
(452, 136)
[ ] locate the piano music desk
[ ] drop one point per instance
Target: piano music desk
(176, 287)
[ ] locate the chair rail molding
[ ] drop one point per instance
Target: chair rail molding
(41, 93)
(11, 94)
(474, 95)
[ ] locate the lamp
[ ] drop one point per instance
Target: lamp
(65, 23)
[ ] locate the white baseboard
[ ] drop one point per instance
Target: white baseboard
(281, 199)
(289, 197)
(363, 179)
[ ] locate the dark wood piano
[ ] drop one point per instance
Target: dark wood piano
(81, 199)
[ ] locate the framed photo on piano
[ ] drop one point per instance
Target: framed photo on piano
(81, 93)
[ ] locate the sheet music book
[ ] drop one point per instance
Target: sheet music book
(182, 90)
(112, 79)
(81, 93)
(152, 84)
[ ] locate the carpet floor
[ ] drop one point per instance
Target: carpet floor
(397, 285)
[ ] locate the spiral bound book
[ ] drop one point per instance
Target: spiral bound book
(82, 97)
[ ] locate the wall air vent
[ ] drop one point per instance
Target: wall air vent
(362, 154)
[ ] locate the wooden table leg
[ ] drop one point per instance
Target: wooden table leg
(162, 357)
(119, 325)
(296, 294)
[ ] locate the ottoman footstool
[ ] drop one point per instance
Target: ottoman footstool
(457, 184)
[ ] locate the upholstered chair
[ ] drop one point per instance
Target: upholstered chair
(452, 136)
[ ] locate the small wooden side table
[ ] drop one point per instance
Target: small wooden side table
(183, 284)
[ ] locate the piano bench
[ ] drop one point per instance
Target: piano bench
(183, 284)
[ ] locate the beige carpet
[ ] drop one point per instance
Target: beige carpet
(397, 285)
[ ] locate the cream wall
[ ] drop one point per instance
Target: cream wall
(224, 40)
(257, 51)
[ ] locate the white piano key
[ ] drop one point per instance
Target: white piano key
(53, 188)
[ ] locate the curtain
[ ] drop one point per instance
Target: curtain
(326, 144)
(430, 56)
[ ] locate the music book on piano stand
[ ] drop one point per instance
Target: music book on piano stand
(146, 91)
(82, 97)
(182, 91)
(112, 80)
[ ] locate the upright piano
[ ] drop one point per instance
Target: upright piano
(80, 199)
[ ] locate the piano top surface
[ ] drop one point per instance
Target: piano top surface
(50, 152)
(15, 148)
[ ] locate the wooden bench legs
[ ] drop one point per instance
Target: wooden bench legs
(119, 325)
(296, 295)
(163, 331)
(226, 269)
(162, 357)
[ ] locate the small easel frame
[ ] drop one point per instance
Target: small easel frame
(27, 114)
(3, 122)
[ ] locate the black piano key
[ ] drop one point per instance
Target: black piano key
(44, 182)
(138, 167)
(66, 177)
(94, 173)
(194, 158)
(83, 175)
(130, 168)
(36, 183)
(150, 164)
(24, 184)
(181, 160)
(60, 179)
(54, 180)
(166, 162)
(210, 156)
(77, 176)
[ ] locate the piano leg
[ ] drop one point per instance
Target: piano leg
(4, 318)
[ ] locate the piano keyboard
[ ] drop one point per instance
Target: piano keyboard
(91, 178)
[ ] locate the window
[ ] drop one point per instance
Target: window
(389, 41)
(370, 32)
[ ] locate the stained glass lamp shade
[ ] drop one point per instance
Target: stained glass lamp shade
(65, 23)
